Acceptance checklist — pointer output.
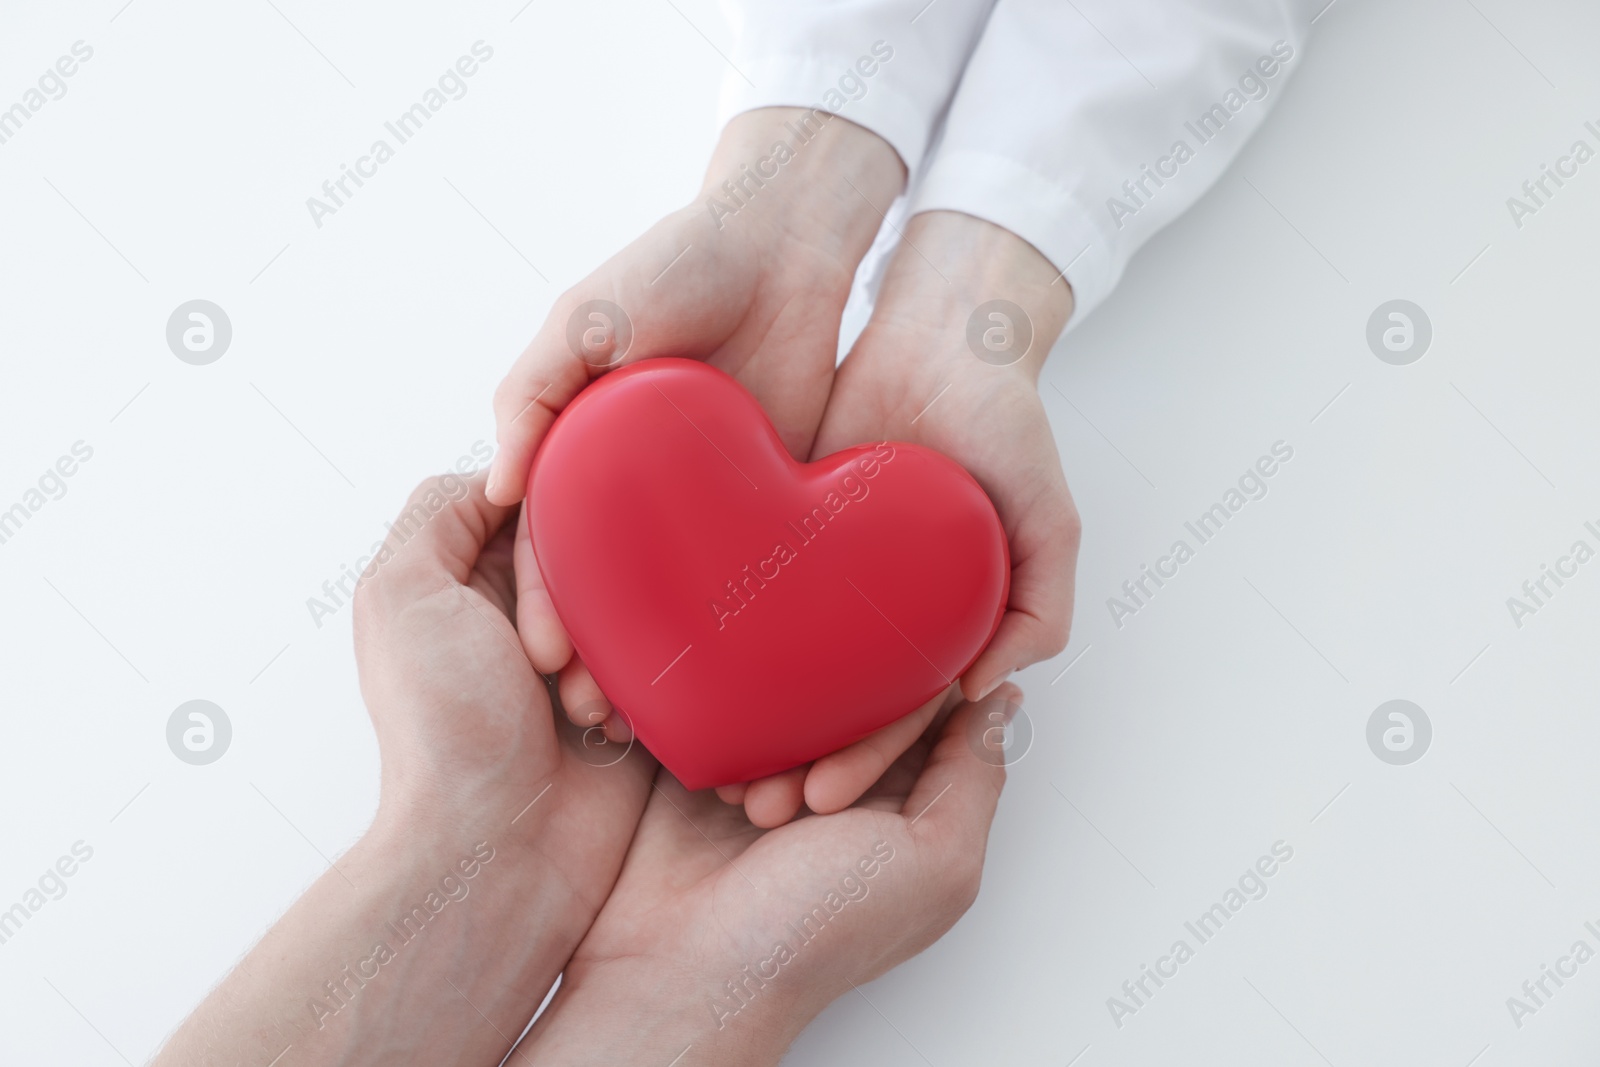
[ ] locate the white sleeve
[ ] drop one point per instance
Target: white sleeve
(1085, 138)
(888, 65)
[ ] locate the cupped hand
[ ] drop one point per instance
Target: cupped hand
(468, 736)
(404, 950)
(754, 286)
(914, 376)
(731, 938)
(752, 277)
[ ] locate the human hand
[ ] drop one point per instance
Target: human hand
(912, 377)
(757, 293)
(466, 728)
(464, 722)
(498, 835)
(729, 938)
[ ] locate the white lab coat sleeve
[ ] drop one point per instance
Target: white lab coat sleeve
(1085, 127)
(888, 65)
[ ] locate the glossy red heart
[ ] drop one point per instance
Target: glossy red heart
(748, 613)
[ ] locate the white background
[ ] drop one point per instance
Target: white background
(1223, 717)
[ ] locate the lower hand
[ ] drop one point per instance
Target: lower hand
(496, 841)
(729, 938)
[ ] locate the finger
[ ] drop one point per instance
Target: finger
(732, 794)
(685, 837)
(774, 800)
(953, 802)
(581, 698)
(617, 726)
(494, 575)
(614, 317)
(1038, 618)
(541, 382)
(543, 637)
(441, 531)
(895, 784)
(838, 779)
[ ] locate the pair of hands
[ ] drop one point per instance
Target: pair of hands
(510, 849)
(674, 920)
(759, 293)
(676, 895)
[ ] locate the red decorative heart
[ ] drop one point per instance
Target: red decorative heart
(746, 612)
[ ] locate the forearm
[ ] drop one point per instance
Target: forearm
(417, 947)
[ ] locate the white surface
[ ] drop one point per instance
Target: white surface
(1193, 738)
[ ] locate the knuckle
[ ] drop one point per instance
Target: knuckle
(508, 397)
(1057, 632)
(1072, 524)
(378, 599)
(364, 610)
(378, 579)
(566, 305)
(420, 491)
(418, 499)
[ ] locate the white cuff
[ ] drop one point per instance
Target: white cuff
(1040, 211)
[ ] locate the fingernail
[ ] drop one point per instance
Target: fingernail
(995, 684)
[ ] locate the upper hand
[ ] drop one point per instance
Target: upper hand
(913, 377)
(757, 293)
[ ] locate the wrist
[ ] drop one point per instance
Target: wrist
(951, 266)
(816, 178)
(644, 1012)
(423, 841)
(422, 852)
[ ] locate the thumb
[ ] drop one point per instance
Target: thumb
(953, 802)
(662, 295)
